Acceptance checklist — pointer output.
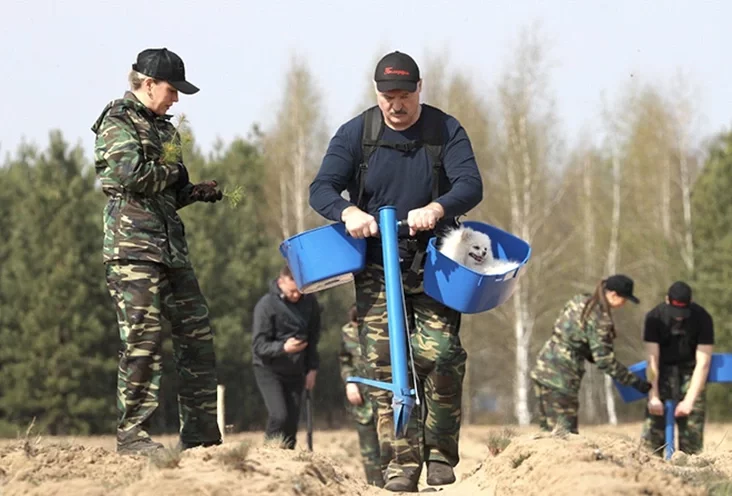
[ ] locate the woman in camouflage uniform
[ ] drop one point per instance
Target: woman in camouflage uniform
(583, 331)
(148, 269)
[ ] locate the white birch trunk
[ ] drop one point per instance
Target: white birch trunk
(612, 261)
(687, 252)
(520, 199)
(683, 114)
(299, 186)
(666, 197)
(296, 139)
(284, 208)
(589, 245)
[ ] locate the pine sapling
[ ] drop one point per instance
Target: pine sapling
(182, 138)
(234, 196)
(173, 153)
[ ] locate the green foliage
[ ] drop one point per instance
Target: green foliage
(56, 322)
(58, 330)
(712, 212)
(235, 261)
(180, 141)
(234, 196)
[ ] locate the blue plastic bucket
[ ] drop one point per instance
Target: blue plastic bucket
(324, 257)
(720, 369)
(628, 393)
(465, 290)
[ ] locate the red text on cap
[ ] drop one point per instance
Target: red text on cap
(398, 72)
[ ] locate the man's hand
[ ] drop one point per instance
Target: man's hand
(353, 394)
(359, 224)
(683, 409)
(425, 218)
(310, 380)
(655, 406)
(294, 345)
(206, 192)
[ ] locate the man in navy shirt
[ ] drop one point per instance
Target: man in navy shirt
(679, 336)
(401, 172)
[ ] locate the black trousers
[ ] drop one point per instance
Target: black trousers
(283, 398)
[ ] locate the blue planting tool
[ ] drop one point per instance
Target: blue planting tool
(670, 411)
(404, 397)
(720, 370)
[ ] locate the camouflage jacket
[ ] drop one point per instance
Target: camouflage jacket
(560, 364)
(140, 219)
(353, 365)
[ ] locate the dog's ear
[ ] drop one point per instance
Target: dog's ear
(465, 233)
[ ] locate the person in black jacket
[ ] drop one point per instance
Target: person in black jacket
(285, 339)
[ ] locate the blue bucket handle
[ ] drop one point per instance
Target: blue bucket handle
(501, 252)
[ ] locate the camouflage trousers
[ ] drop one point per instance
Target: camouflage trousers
(557, 411)
(144, 294)
(368, 442)
(690, 429)
(439, 359)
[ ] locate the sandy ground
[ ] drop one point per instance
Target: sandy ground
(600, 461)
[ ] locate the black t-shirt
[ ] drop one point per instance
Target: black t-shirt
(678, 339)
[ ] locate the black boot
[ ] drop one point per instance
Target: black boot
(439, 473)
(135, 444)
(401, 484)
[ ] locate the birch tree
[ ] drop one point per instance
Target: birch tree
(458, 96)
(527, 155)
(586, 205)
(685, 118)
(612, 254)
(590, 256)
(294, 149)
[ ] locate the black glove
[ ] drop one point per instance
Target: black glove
(206, 192)
(183, 178)
(644, 386)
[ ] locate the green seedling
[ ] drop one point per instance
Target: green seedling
(173, 153)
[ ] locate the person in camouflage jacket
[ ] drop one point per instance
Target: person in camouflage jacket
(583, 331)
(359, 404)
(148, 271)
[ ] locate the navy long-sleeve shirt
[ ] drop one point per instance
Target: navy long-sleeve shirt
(396, 178)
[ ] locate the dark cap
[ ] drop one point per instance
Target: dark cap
(679, 300)
(396, 71)
(622, 285)
(161, 63)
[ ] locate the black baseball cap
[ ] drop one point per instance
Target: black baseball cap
(396, 71)
(679, 300)
(161, 63)
(622, 285)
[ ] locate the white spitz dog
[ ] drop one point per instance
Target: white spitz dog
(472, 249)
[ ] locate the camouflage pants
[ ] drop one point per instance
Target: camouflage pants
(557, 410)
(368, 441)
(144, 294)
(690, 429)
(439, 360)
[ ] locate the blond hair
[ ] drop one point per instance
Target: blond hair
(136, 79)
